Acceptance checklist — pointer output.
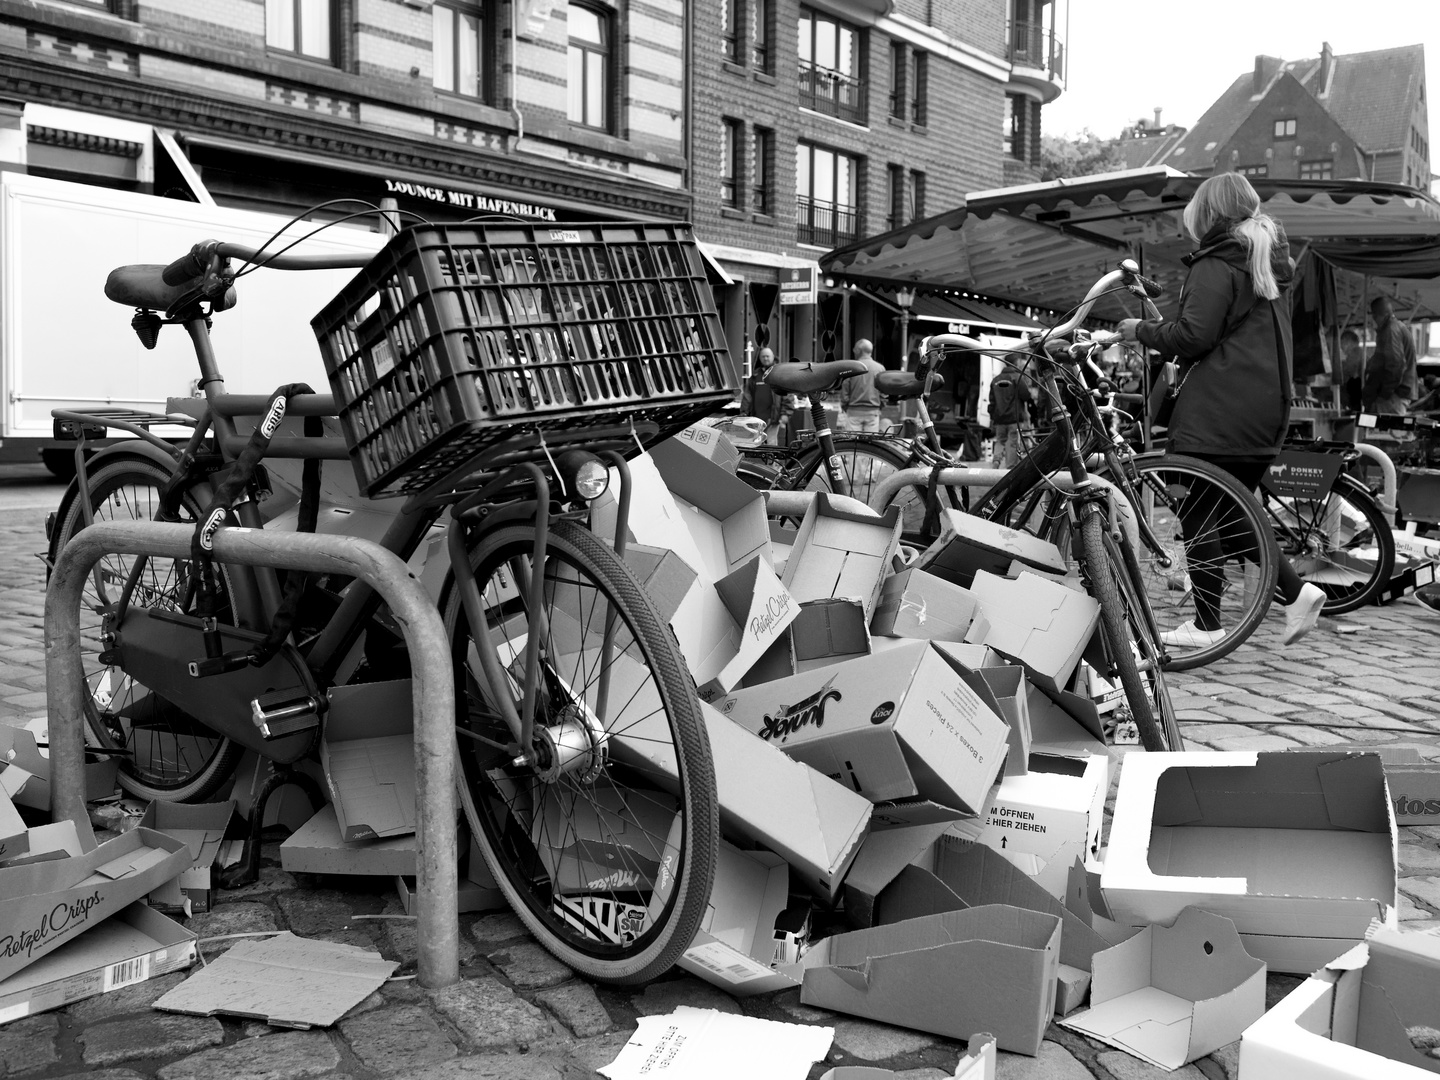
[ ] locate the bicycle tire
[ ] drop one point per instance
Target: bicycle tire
(128, 489)
(598, 905)
(1241, 530)
(1352, 572)
(1128, 639)
(865, 462)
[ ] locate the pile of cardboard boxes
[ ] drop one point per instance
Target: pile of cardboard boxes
(912, 765)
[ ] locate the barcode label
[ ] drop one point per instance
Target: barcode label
(134, 970)
(726, 963)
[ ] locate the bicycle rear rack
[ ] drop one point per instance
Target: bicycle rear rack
(434, 689)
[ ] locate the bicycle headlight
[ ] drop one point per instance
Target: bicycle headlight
(584, 475)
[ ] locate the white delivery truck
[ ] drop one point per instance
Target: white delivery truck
(63, 345)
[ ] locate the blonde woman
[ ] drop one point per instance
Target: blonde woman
(1232, 341)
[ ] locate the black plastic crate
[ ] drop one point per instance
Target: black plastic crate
(462, 347)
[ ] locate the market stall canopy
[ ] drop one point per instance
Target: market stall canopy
(1045, 244)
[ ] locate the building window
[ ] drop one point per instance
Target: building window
(1285, 129)
(760, 19)
(826, 196)
(1013, 135)
(304, 27)
(1253, 170)
(591, 37)
(730, 18)
(919, 76)
(832, 77)
(459, 43)
(1317, 170)
(895, 199)
(898, 56)
(762, 159)
(917, 194)
(730, 135)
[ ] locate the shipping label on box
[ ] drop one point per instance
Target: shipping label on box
(712, 444)
(894, 725)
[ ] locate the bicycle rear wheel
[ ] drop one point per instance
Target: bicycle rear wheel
(1214, 545)
(1132, 652)
(1341, 542)
(605, 845)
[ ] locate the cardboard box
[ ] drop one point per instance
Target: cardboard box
(14, 836)
(977, 1063)
(1352, 1019)
(735, 946)
(712, 444)
(368, 754)
(1172, 994)
(922, 974)
(663, 574)
(883, 857)
(757, 610)
(1297, 849)
(896, 725)
(204, 827)
(1414, 781)
(27, 766)
(469, 896)
(604, 843)
(1042, 821)
(48, 904)
(317, 848)
(919, 605)
(968, 544)
(1038, 623)
(841, 554)
(828, 632)
(135, 944)
(57, 840)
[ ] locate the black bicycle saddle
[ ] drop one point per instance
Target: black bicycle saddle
(809, 378)
(900, 384)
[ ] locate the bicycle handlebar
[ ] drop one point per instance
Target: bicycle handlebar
(205, 254)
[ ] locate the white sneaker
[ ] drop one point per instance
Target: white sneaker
(1303, 614)
(1189, 636)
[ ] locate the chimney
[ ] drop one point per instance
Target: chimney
(1266, 68)
(1157, 117)
(1327, 64)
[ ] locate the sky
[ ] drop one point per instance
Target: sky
(1129, 57)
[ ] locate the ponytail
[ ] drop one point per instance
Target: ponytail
(1257, 232)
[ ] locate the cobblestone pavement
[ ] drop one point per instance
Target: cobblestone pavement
(519, 1015)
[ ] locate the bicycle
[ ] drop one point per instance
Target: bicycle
(483, 377)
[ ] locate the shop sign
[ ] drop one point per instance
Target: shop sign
(958, 328)
(475, 201)
(797, 285)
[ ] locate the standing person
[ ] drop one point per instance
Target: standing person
(859, 400)
(1010, 398)
(1232, 338)
(1352, 363)
(758, 399)
(1390, 379)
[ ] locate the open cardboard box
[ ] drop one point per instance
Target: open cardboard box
(894, 725)
(968, 544)
(25, 753)
(1370, 1014)
(922, 974)
(47, 904)
(54, 840)
(317, 848)
(824, 632)
(662, 574)
(840, 554)
(1414, 781)
(368, 754)
(914, 604)
(712, 444)
(204, 827)
(1172, 994)
(1037, 622)
(1297, 849)
(14, 836)
(135, 944)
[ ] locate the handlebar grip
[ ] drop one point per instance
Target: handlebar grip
(1153, 289)
(190, 266)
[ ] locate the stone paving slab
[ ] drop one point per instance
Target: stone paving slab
(519, 1015)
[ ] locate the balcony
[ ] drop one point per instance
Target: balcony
(832, 92)
(825, 224)
(1038, 58)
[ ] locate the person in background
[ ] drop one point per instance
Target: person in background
(1010, 399)
(1390, 380)
(859, 400)
(1232, 338)
(1352, 364)
(757, 399)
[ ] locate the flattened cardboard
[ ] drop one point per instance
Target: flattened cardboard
(135, 944)
(316, 848)
(895, 725)
(204, 827)
(368, 754)
(1297, 849)
(921, 974)
(735, 946)
(1172, 994)
(915, 604)
(1349, 1020)
(20, 751)
(48, 904)
(14, 836)
(968, 544)
(663, 574)
(1037, 622)
(285, 981)
(977, 1063)
(839, 554)
(706, 1044)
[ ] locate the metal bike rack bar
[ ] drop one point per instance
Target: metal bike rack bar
(796, 503)
(434, 688)
(1391, 482)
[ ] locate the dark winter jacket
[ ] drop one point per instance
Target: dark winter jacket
(1009, 397)
(1234, 350)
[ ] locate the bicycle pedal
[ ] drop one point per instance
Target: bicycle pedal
(284, 712)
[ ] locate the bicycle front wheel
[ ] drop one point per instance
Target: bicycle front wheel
(604, 841)
(1210, 552)
(1341, 542)
(1132, 653)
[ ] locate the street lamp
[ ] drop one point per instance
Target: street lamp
(904, 297)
